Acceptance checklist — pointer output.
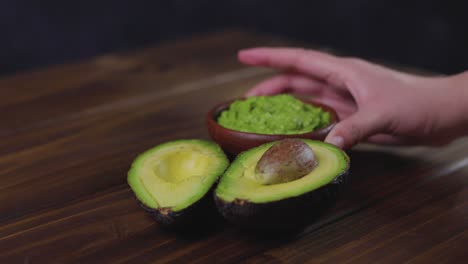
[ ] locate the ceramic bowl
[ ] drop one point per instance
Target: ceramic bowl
(234, 142)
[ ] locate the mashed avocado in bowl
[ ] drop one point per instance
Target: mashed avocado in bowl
(239, 125)
(273, 115)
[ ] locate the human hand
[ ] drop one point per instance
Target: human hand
(374, 103)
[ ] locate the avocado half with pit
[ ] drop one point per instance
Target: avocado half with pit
(171, 181)
(244, 200)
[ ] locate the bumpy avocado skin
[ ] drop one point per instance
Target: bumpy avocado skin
(286, 215)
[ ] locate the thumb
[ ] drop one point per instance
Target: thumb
(356, 128)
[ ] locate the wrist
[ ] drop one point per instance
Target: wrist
(455, 94)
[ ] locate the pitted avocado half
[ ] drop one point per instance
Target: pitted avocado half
(245, 201)
(171, 180)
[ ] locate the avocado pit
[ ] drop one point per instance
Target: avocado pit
(285, 161)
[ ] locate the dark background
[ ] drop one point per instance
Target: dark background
(428, 34)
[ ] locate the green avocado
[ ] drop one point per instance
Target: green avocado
(245, 201)
(171, 180)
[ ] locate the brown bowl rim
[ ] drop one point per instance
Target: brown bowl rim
(217, 109)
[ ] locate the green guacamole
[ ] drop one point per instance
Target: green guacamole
(278, 114)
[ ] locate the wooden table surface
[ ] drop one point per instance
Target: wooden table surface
(69, 134)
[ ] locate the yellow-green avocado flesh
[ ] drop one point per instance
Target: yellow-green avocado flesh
(238, 182)
(176, 174)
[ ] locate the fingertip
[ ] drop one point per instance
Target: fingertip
(339, 137)
(336, 140)
(251, 55)
(242, 53)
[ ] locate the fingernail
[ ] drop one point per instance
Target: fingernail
(337, 141)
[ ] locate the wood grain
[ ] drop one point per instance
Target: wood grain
(69, 134)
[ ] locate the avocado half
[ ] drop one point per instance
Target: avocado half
(244, 201)
(171, 180)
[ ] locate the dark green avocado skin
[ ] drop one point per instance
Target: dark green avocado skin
(199, 216)
(287, 215)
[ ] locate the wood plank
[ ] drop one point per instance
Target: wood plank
(452, 250)
(416, 240)
(74, 229)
